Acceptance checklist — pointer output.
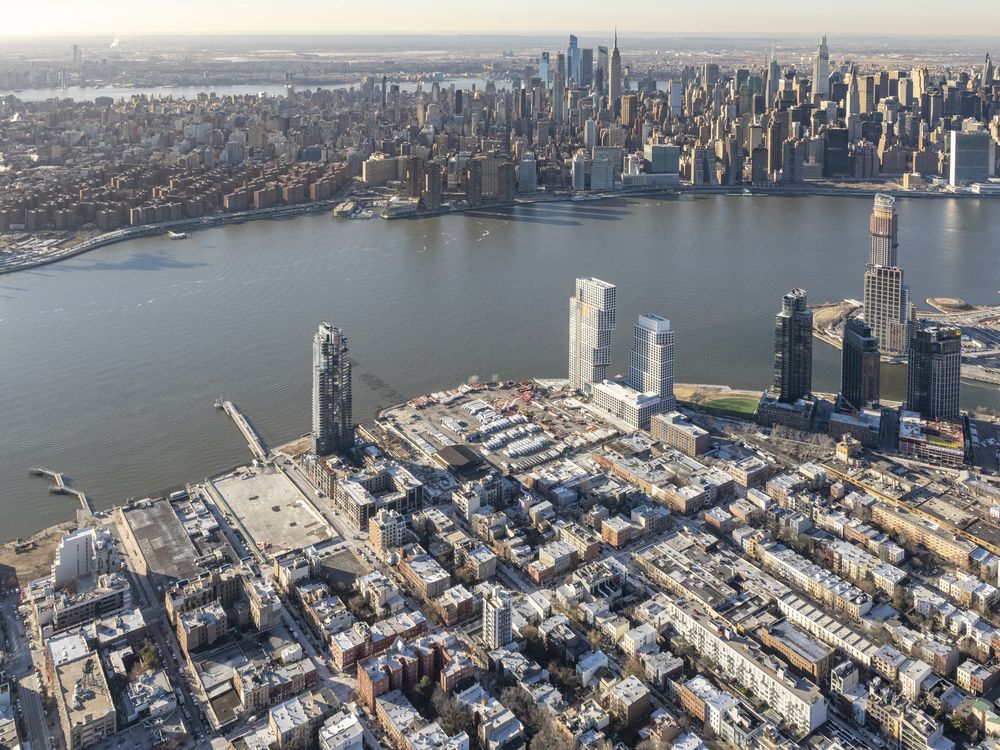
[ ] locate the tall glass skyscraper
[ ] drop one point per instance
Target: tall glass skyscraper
(333, 428)
(793, 327)
(859, 370)
(573, 60)
(934, 374)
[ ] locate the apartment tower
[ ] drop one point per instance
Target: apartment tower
(935, 372)
(591, 326)
(333, 428)
(793, 327)
(886, 298)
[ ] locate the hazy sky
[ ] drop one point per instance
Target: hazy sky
(122, 17)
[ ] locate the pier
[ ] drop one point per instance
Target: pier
(257, 445)
(59, 487)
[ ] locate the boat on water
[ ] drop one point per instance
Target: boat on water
(577, 197)
(177, 235)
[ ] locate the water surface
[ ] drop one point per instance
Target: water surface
(111, 360)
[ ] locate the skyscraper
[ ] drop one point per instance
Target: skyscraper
(591, 326)
(793, 327)
(859, 369)
(935, 372)
(573, 60)
(601, 74)
(559, 89)
(886, 298)
(821, 70)
(586, 67)
(651, 363)
(497, 620)
(972, 157)
(615, 78)
(773, 78)
(543, 69)
(333, 428)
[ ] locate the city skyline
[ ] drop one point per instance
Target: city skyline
(117, 17)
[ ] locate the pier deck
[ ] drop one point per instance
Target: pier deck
(59, 487)
(257, 445)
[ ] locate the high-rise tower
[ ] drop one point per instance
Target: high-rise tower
(333, 428)
(573, 60)
(821, 70)
(615, 78)
(886, 298)
(773, 78)
(651, 363)
(591, 326)
(793, 327)
(859, 369)
(934, 374)
(497, 618)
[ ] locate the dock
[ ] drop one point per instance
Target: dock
(257, 444)
(59, 487)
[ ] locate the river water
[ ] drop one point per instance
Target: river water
(111, 360)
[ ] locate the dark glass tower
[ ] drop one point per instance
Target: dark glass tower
(859, 370)
(935, 372)
(793, 348)
(333, 428)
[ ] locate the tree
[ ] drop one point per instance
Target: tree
(534, 644)
(422, 693)
(633, 668)
(147, 654)
(957, 722)
(550, 738)
(594, 638)
(452, 715)
(565, 679)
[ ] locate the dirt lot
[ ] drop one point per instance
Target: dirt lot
(830, 314)
(950, 304)
(37, 561)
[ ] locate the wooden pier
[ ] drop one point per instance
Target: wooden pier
(59, 487)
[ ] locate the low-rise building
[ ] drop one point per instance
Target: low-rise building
(679, 432)
(83, 700)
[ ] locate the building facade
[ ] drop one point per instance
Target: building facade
(497, 622)
(651, 363)
(333, 428)
(886, 298)
(591, 326)
(860, 365)
(793, 348)
(935, 371)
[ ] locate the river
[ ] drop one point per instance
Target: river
(112, 359)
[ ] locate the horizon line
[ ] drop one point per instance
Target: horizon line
(470, 33)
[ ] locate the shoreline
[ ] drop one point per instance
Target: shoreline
(279, 212)
(7, 545)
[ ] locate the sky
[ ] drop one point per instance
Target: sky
(124, 17)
